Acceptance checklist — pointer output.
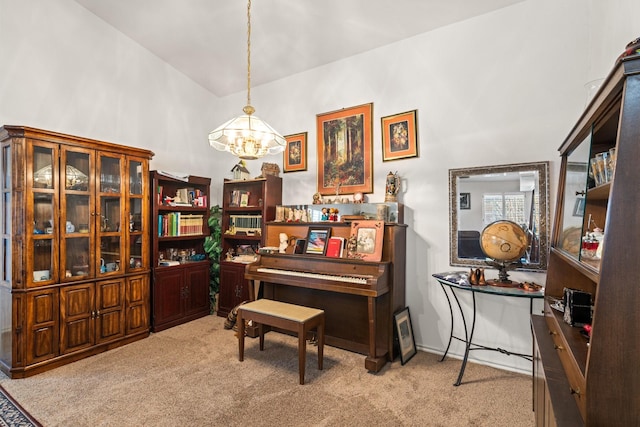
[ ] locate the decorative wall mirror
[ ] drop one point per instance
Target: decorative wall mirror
(481, 195)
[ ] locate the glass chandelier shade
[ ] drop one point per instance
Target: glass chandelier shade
(246, 136)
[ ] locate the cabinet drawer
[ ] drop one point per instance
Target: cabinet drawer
(577, 383)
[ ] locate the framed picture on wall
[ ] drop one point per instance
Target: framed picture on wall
(345, 159)
(400, 136)
(465, 200)
(295, 153)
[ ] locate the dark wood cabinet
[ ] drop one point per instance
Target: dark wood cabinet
(181, 294)
(74, 275)
(235, 289)
(247, 206)
(179, 211)
(595, 380)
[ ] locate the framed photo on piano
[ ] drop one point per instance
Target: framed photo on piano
(367, 236)
(317, 238)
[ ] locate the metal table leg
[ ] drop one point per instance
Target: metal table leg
(468, 336)
(451, 313)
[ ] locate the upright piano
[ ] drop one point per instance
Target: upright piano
(359, 297)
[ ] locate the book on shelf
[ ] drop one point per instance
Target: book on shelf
(335, 247)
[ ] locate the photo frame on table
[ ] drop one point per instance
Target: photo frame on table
(400, 136)
(404, 334)
(465, 200)
(317, 238)
(295, 153)
(345, 158)
(367, 237)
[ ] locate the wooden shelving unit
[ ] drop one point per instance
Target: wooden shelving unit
(595, 381)
(180, 286)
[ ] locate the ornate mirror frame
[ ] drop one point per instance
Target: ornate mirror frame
(542, 189)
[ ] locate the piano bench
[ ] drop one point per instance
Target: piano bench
(290, 317)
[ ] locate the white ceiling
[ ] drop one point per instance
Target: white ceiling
(207, 39)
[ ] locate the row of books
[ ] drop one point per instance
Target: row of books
(245, 223)
(179, 224)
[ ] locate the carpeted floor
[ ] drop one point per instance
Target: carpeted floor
(190, 375)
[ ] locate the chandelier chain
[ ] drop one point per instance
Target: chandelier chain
(249, 53)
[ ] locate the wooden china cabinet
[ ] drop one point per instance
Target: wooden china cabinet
(74, 276)
(582, 380)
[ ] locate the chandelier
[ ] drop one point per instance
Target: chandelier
(247, 136)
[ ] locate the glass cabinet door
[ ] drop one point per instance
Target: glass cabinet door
(42, 226)
(76, 214)
(6, 215)
(137, 208)
(110, 217)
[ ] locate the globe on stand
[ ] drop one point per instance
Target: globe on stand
(505, 242)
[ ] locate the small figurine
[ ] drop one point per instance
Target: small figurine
(284, 243)
(325, 215)
(392, 187)
(317, 199)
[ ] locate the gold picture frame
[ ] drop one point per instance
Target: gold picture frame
(295, 153)
(345, 159)
(400, 136)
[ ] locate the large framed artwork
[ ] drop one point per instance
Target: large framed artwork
(399, 136)
(345, 160)
(295, 154)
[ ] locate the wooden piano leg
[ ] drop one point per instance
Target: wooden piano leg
(254, 290)
(373, 362)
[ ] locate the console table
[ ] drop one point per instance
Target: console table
(456, 281)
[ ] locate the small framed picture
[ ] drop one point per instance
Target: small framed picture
(578, 208)
(295, 153)
(368, 236)
(244, 198)
(404, 334)
(317, 239)
(399, 136)
(299, 247)
(465, 200)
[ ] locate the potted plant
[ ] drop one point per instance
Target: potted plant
(213, 248)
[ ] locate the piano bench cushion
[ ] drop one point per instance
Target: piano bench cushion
(296, 313)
